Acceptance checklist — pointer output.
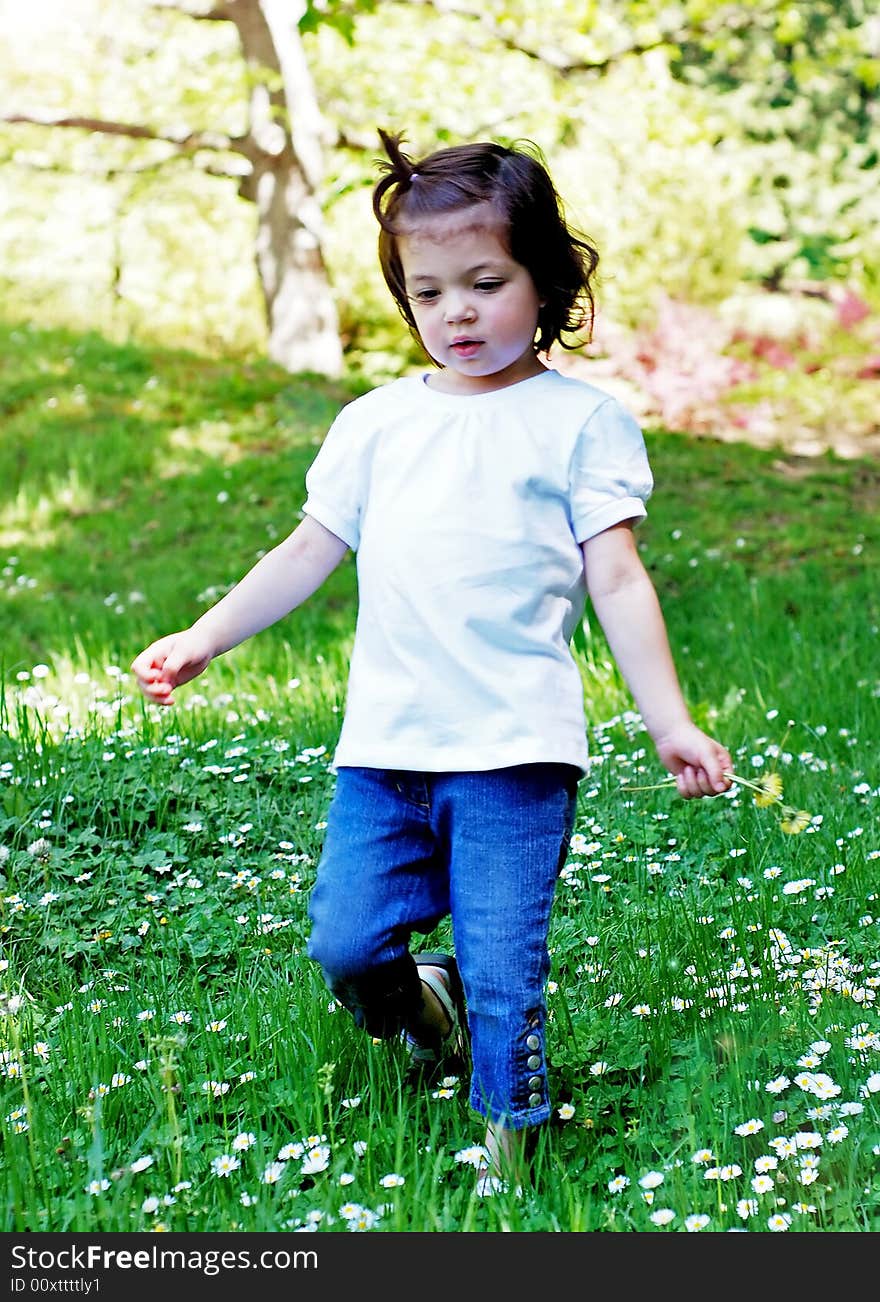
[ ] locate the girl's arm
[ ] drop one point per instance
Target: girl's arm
(627, 607)
(276, 585)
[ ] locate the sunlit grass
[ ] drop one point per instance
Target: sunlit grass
(169, 1057)
(713, 1001)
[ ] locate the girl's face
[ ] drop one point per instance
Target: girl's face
(475, 308)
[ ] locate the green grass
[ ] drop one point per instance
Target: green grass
(158, 1010)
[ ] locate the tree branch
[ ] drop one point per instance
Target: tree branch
(129, 170)
(726, 20)
(219, 14)
(555, 59)
(187, 142)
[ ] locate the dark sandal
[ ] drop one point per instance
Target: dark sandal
(452, 1050)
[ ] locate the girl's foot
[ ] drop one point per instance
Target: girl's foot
(506, 1164)
(438, 1037)
(435, 1009)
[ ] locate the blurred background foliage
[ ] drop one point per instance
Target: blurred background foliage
(723, 156)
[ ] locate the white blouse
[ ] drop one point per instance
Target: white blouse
(466, 513)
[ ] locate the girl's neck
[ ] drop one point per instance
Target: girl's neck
(449, 381)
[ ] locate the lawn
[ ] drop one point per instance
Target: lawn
(171, 1060)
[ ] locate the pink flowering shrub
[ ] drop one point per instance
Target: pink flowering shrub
(774, 373)
(680, 363)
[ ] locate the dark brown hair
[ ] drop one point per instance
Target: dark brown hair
(516, 183)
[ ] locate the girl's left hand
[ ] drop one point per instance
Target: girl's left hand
(699, 763)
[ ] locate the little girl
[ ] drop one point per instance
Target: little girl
(485, 499)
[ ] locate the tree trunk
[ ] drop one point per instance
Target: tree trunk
(285, 150)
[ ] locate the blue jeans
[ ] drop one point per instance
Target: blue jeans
(403, 850)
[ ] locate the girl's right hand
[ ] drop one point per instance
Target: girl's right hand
(171, 661)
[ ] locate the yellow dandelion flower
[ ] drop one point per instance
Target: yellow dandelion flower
(768, 790)
(795, 821)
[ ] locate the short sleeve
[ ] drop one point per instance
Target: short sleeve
(610, 477)
(335, 480)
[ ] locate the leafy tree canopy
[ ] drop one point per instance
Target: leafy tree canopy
(704, 143)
